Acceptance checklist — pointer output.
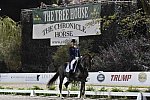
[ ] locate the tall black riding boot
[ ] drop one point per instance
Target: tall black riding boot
(70, 76)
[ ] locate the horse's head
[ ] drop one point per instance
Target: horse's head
(86, 61)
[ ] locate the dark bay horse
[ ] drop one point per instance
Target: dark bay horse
(80, 75)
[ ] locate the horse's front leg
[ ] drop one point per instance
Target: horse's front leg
(82, 90)
(60, 86)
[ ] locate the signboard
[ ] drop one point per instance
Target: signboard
(62, 41)
(25, 77)
(95, 78)
(79, 20)
(120, 78)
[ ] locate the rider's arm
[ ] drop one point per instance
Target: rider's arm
(77, 52)
(71, 53)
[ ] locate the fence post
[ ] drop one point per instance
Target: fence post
(109, 94)
(78, 95)
(141, 97)
(32, 93)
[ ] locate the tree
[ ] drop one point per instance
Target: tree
(10, 41)
(61, 56)
(125, 55)
(131, 50)
(145, 6)
(129, 25)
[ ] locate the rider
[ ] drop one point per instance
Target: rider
(74, 54)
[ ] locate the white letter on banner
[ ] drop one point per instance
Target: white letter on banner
(86, 12)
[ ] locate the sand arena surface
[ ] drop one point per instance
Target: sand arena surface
(18, 97)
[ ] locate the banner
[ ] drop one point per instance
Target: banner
(62, 41)
(94, 78)
(120, 78)
(40, 78)
(76, 20)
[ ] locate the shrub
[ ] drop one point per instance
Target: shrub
(1, 87)
(148, 89)
(21, 88)
(52, 87)
(116, 90)
(74, 88)
(90, 88)
(36, 88)
(103, 89)
(132, 89)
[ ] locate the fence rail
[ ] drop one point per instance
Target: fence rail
(101, 93)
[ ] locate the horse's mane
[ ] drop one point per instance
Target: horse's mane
(85, 56)
(83, 59)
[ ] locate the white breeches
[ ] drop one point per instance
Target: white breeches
(72, 62)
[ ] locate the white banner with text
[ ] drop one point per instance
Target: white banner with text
(95, 78)
(62, 41)
(68, 21)
(66, 29)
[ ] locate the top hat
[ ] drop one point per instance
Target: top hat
(73, 40)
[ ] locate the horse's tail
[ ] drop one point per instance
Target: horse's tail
(53, 79)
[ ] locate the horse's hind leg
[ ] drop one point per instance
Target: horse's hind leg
(66, 85)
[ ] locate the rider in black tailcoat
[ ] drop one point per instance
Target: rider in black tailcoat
(74, 54)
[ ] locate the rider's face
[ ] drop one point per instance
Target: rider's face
(73, 44)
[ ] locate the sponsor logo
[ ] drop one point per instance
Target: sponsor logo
(142, 77)
(37, 18)
(26, 77)
(38, 76)
(101, 77)
(120, 77)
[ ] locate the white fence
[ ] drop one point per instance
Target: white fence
(95, 78)
(139, 95)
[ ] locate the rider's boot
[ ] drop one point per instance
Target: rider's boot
(70, 76)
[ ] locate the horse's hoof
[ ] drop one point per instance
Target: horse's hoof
(47, 86)
(61, 97)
